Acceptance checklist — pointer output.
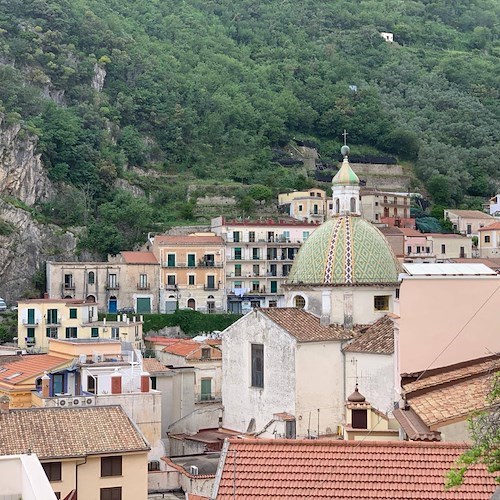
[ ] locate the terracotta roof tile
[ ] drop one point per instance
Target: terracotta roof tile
(186, 348)
(492, 227)
(470, 214)
(152, 365)
(139, 258)
(391, 231)
(414, 426)
(493, 263)
(377, 338)
(304, 326)
(85, 431)
(29, 366)
(293, 469)
(411, 232)
(191, 239)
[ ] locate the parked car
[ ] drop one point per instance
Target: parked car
(126, 310)
(3, 305)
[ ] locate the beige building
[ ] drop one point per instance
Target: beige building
(450, 246)
(308, 206)
(386, 208)
(446, 313)
(128, 280)
(40, 320)
(259, 256)
(95, 453)
(468, 222)
(489, 241)
(192, 271)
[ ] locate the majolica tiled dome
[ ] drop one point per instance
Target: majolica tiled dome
(345, 250)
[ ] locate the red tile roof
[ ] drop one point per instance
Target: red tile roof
(152, 365)
(187, 348)
(69, 432)
(272, 469)
(411, 232)
(139, 258)
(492, 227)
(377, 338)
(304, 326)
(29, 366)
(413, 426)
(190, 239)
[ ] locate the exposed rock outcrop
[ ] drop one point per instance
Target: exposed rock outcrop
(25, 248)
(99, 76)
(21, 173)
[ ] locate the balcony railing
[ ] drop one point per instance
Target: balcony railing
(112, 286)
(208, 288)
(30, 341)
(69, 286)
(30, 323)
(208, 398)
(170, 287)
(143, 286)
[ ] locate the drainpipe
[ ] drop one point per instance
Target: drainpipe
(76, 474)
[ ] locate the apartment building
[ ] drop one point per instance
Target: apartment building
(468, 222)
(258, 258)
(192, 271)
(388, 208)
(128, 280)
(41, 320)
(309, 205)
(489, 240)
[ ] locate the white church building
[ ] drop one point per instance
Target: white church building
(287, 372)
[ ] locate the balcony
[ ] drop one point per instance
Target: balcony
(143, 286)
(208, 288)
(112, 286)
(30, 341)
(69, 286)
(28, 323)
(170, 287)
(189, 265)
(213, 397)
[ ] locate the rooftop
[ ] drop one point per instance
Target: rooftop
(187, 348)
(139, 258)
(492, 263)
(391, 231)
(86, 431)
(491, 227)
(152, 365)
(411, 232)
(377, 338)
(345, 470)
(304, 326)
(29, 366)
(191, 239)
(282, 221)
(413, 426)
(206, 464)
(448, 270)
(469, 214)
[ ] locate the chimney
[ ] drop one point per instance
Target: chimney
(4, 405)
(116, 382)
(45, 386)
(145, 382)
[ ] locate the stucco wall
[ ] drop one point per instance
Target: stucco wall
(458, 432)
(432, 312)
(241, 401)
(375, 376)
(320, 383)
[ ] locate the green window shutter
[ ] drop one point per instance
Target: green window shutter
(73, 313)
(94, 332)
(274, 287)
(171, 260)
(191, 260)
(30, 333)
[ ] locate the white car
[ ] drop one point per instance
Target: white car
(3, 305)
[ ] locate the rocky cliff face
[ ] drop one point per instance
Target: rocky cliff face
(25, 244)
(21, 172)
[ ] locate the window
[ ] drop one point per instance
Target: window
(290, 429)
(111, 466)
(171, 259)
(257, 365)
(171, 279)
(255, 254)
(68, 281)
(300, 302)
(251, 236)
(418, 249)
(191, 260)
(206, 389)
(376, 203)
(274, 286)
(315, 209)
(408, 249)
(469, 228)
(305, 235)
(91, 384)
(337, 206)
(443, 248)
(255, 286)
(51, 332)
(73, 313)
(256, 269)
(376, 216)
(205, 353)
(30, 333)
(237, 269)
(359, 419)
(91, 278)
(52, 470)
(286, 235)
(211, 282)
(381, 302)
(58, 383)
(52, 317)
(31, 316)
(486, 239)
(353, 205)
(94, 332)
(115, 333)
(191, 279)
(153, 465)
(191, 303)
(300, 208)
(111, 493)
(71, 332)
(236, 236)
(143, 281)
(153, 383)
(112, 281)
(273, 303)
(237, 253)
(238, 284)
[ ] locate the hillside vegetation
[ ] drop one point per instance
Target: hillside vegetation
(207, 90)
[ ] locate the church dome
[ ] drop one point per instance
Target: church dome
(345, 250)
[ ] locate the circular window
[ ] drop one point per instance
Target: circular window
(300, 302)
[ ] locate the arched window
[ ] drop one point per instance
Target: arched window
(91, 278)
(191, 304)
(395, 212)
(353, 205)
(300, 302)
(90, 298)
(337, 206)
